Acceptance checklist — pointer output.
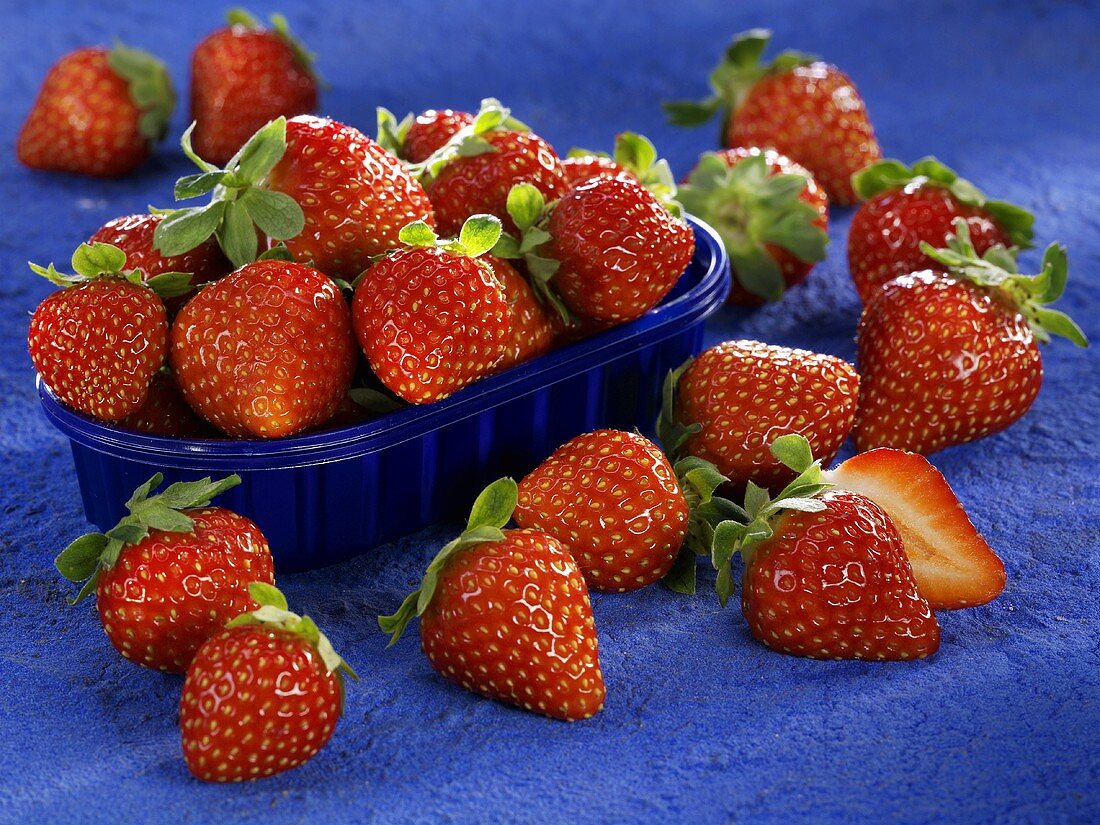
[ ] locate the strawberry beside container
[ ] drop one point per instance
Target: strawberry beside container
(325, 497)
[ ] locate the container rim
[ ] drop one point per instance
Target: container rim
(411, 422)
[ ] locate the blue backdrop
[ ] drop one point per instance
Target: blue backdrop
(701, 722)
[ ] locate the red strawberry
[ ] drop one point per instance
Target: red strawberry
(265, 352)
(613, 500)
(432, 318)
(165, 412)
(770, 214)
(98, 341)
(635, 158)
(505, 613)
(535, 328)
(908, 206)
(826, 575)
(732, 401)
(242, 77)
(261, 697)
(952, 564)
(950, 358)
(619, 250)
(808, 110)
(99, 112)
(171, 573)
(580, 165)
(417, 139)
(133, 234)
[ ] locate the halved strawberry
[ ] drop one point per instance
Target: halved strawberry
(952, 564)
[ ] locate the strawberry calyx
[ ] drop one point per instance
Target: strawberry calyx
(997, 270)
(888, 175)
(490, 513)
(239, 204)
(732, 79)
(751, 208)
(150, 88)
(239, 17)
(637, 154)
(87, 556)
(391, 134)
(492, 116)
(94, 261)
(479, 234)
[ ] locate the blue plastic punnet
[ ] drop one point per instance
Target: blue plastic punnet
(324, 497)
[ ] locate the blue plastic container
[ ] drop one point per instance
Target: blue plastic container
(325, 497)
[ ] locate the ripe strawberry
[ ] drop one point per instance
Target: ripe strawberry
(826, 575)
(265, 352)
(505, 613)
(635, 158)
(728, 404)
(417, 139)
(432, 318)
(952, 564)
(806, 109)
(535, 328)
(950, 358)
(98, 341)
(133, 234)
(905, 207)
(99, 112)
(770, 214)
(474, 172)
(171, 573)
(165, 412)
(261, 697)
(242, 77)
(581, 165)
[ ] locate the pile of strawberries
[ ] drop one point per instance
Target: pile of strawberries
(328, 266)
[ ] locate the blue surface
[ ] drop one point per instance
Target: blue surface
(701, 723)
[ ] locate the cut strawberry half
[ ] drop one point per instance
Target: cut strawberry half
(952, 564)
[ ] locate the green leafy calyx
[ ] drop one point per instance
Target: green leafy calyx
(468, 141)
(889, 175)
(239, 203)
(92, 261)
(83, 560)
(150, 88)
(751, 208)
(491, 511)
(997, 270)
(478, 235)
(391, 132)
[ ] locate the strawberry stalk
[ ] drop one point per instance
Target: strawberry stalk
(87, 556)
(997, 271)
(102, 260)
(888, 175)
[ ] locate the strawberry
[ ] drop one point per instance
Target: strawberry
(505, 613)
(905, 207)
(166, 413)
(803, 108)
(262, 696)
(171, 573)
(432, 318)
(581, 165)
(265, 352)
(98, 341)
(826, 575)
(242, 77)
(950, 358)
(770, 214)
(417, 139)
(952, 564)
(729, 403)
(635, 158)
(99, 112)
(474, 171)
(535, 328)
(133, 234)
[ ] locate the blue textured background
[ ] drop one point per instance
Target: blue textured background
(701, 722)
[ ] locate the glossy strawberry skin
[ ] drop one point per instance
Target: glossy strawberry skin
(170, 592)
(430, 130)
(242, 78)
(431, 321)
(133, 234)
(480, 184)
(166, 413)
(613, 500)
(83, 120)
(356, 196)
(265, 352)
(943, 362)
(579, 169)
(744, 394)
(98, 345)
(886, 233)
(511, 620)
(535, 328)
(256, 701)
(620, 251)
(837, 585)
(813, 115)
